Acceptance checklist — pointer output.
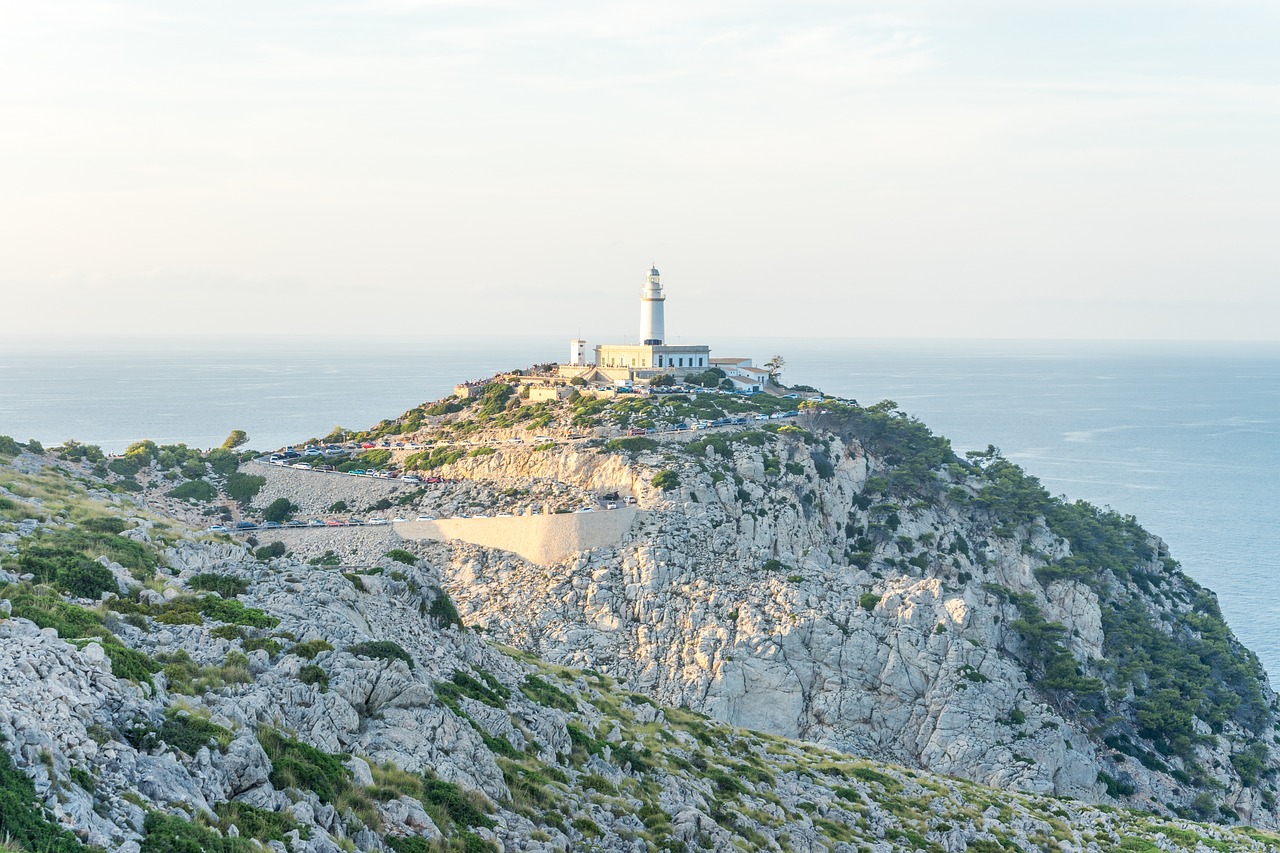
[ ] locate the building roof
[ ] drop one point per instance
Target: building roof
(729, 360)
(653, 270)
(759, 370)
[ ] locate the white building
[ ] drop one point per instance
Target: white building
(651, 356)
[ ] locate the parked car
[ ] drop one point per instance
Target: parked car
(316, 522)
(272, 525)
(246, 525)
(426, 518)
(217, 528)
(376, 521)
(334, 522)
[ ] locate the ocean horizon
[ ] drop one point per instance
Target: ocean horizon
(1183, 435)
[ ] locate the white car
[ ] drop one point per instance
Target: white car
(376, 521)
(426, 518)
(586, 509)
(217, 528)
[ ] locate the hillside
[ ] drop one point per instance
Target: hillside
(785, 595)
(844, 577)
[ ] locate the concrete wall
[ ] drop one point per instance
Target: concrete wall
(542, 539)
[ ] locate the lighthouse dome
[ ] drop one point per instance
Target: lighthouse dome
(653, 270)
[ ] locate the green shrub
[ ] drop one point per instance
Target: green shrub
(104, 524)
(194, 490)
(868, 600)
(256, 823)
(381, 650)
(85, 578)
(456, 803)
(267, 552)
(227, 632)
(666, 480)
(491, 692)
(22, 816)
(223, 462)
(187, 733)
(279, 510)
(442, 610)
(311, 648)
(314, 674)
(230, 610)
(243, 488)
(9, 447)
(633, 445)
(547, 694)
(401, 556)
(297, 765)
(226, 586)
(165, 833)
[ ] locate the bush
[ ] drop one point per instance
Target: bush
(310, 649)
(84, 578)
(544, 693)
(9, 447)
(314, 674)
(231, 610)
(224, 585)
(188, 733)
(243, 488)
(381, 650)
(194, 490)
(868, 600)
(666, 480)
(297, 765)
(223, 462)
(401, 556)
(442, 610)
(632, 445)
(267, 552)
(22, 816)
(279, 510)
(170, 834)
(255, 822)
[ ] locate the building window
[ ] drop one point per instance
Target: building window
(682, 362)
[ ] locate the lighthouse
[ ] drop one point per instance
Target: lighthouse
(652, 331)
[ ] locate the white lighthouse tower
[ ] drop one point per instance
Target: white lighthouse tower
(652, 330)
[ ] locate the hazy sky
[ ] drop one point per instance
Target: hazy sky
(1006, 169)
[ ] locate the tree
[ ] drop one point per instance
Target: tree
(774, 366)
(237, 438)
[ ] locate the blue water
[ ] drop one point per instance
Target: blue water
(1184, 436)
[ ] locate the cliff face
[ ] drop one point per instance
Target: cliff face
(849, 581)
(178, 694)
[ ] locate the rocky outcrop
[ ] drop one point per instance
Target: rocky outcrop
(782, 588)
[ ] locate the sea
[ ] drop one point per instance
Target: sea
(1185, 436)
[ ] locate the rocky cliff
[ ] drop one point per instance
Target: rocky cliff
(847, 579)
(163, 690)
(786, 595)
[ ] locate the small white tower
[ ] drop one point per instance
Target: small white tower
(577, 352)
(652, 327)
